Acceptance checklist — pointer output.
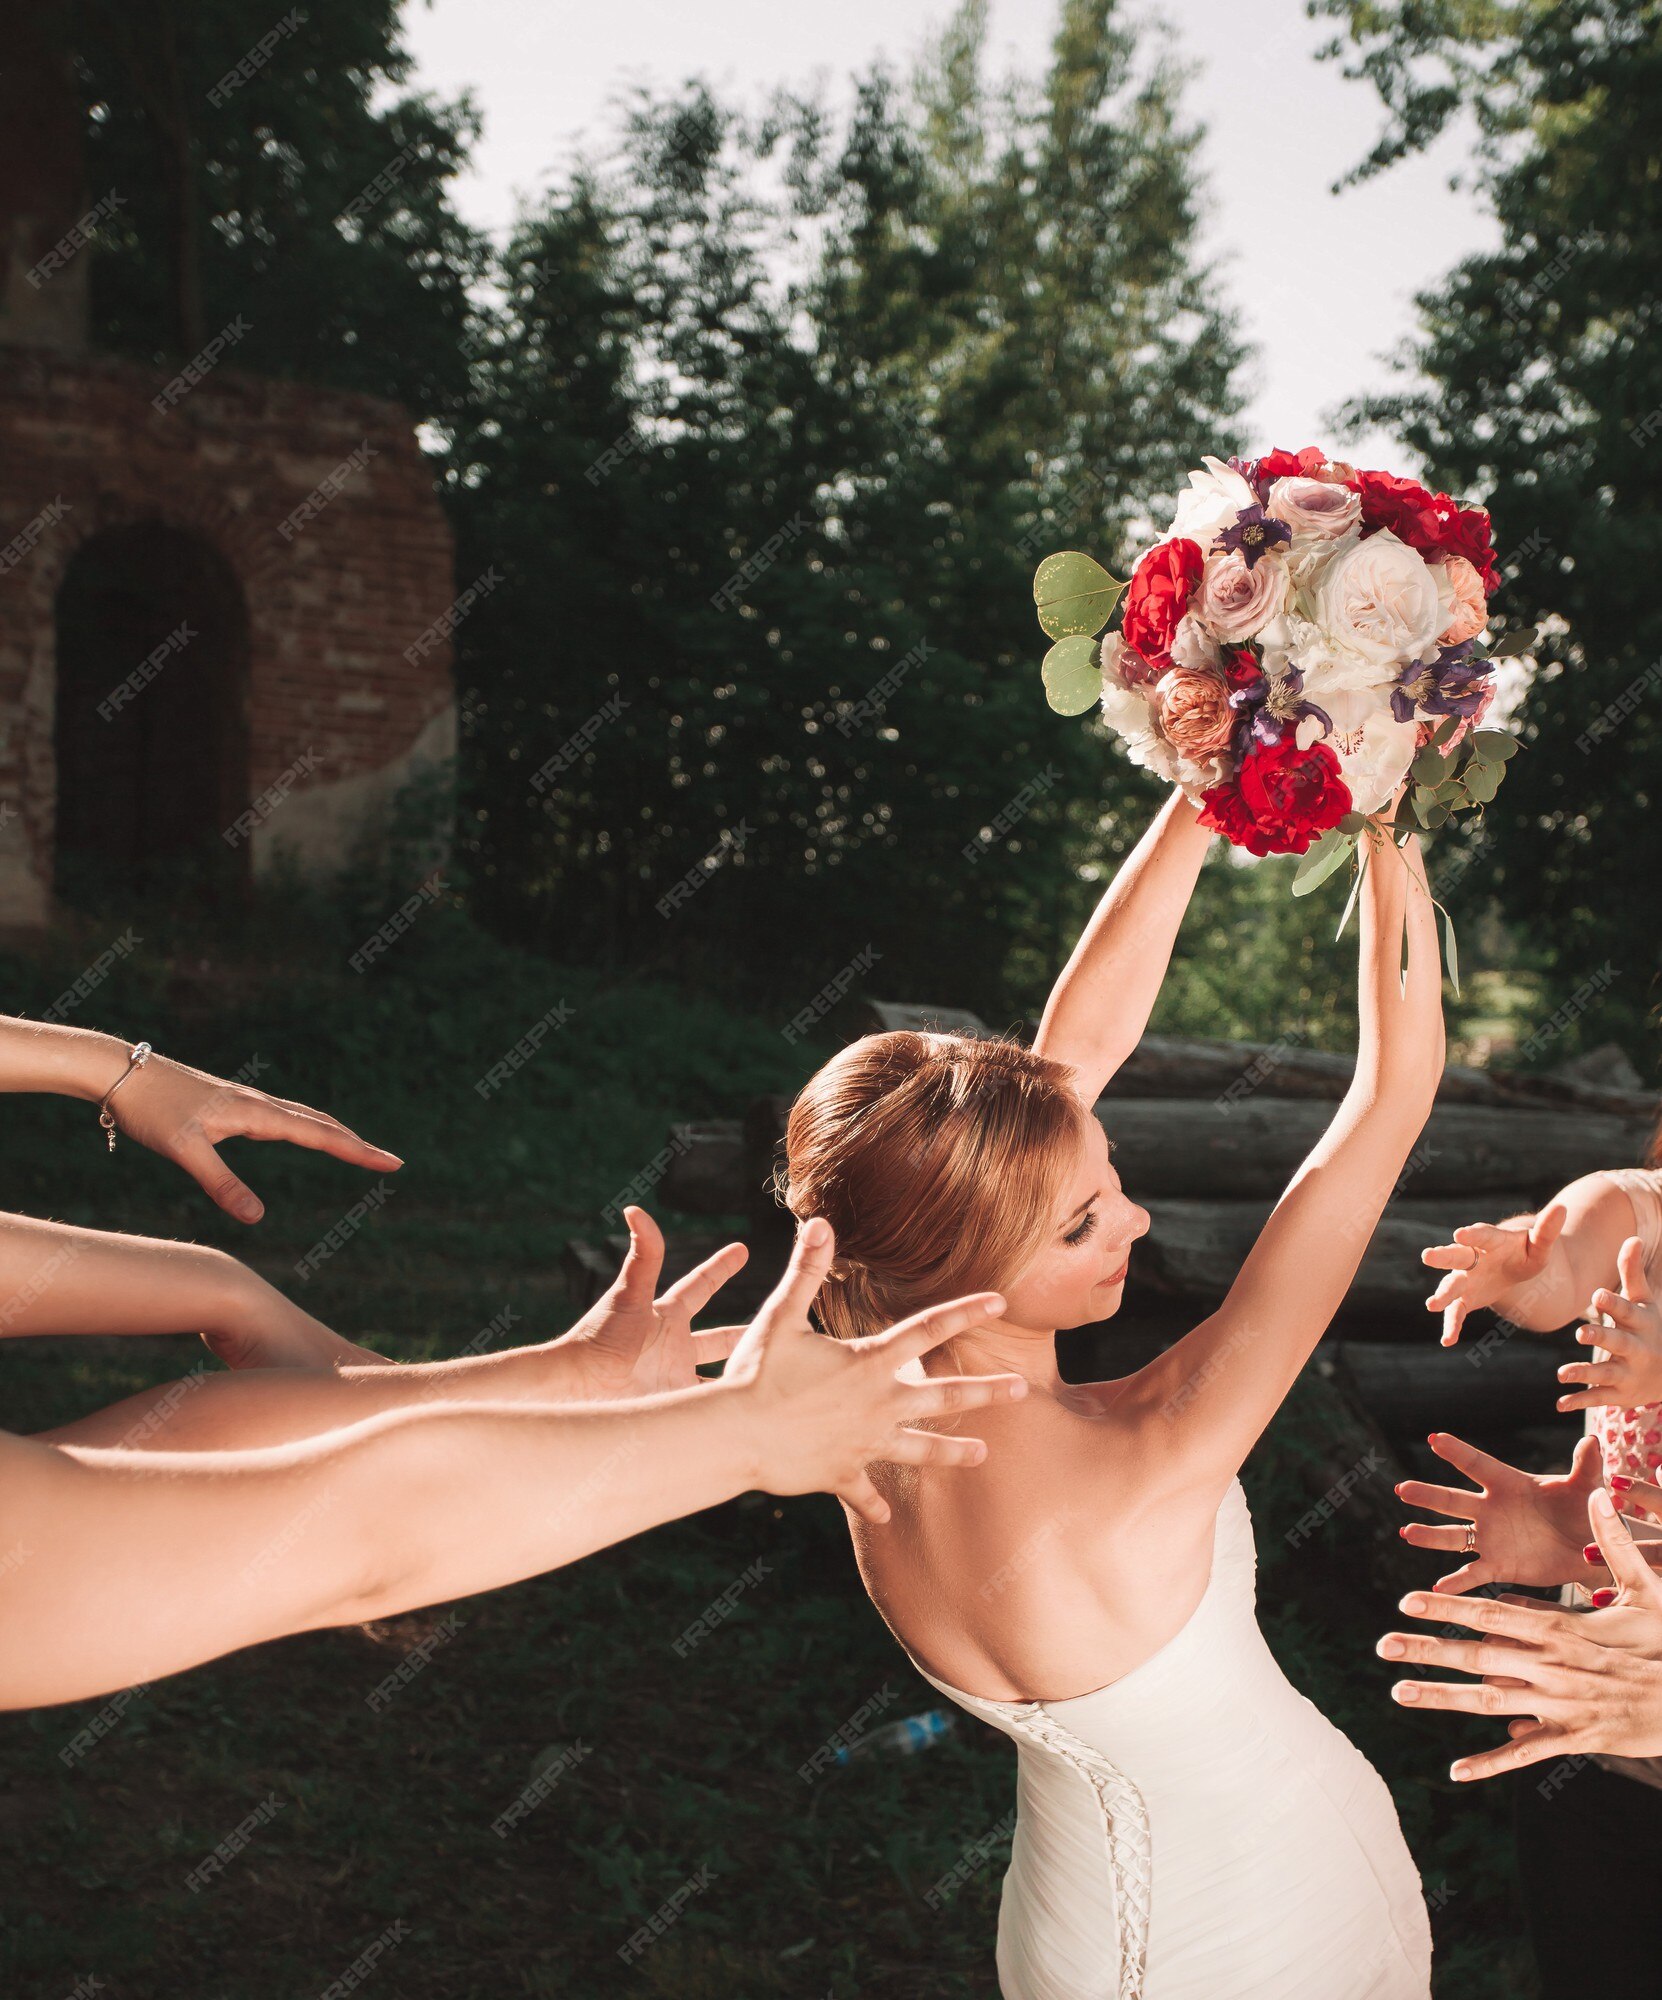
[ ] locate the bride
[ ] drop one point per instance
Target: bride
(1188, 1825)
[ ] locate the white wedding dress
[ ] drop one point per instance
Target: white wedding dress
(1198, 1830)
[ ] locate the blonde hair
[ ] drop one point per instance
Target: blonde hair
(937, 1159)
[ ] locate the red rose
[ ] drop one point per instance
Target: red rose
(1240, 666)
(1279, 800)
(1159, 593)
(1402, 505)
(1465, 531)
(1225, 811)
(1293, 794)
(1433, 523)
(1304, 464)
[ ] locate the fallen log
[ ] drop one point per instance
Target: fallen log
(1194, 1249)
(1185, 1147)
(706, 1174)
(1190, 1066)
(1485, 1384)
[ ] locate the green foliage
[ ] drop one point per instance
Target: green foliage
(301, 200)
(779, 530)
(1540, 383)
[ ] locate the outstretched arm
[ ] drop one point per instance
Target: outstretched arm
(1218, 1387)
(58, 1279)
(1538, 1271)
(179, 1112)
(1100, 1005)
(128, 1565)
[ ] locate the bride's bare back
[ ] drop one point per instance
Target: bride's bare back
(1026, 1582)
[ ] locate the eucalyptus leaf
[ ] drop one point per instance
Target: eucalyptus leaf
(1072, 675)
(1355, 891)
(1444, 730)
(1494, 746)
(1451, 952)
(1434, 815)
(1353, 822)
(1515, 643)
(1331, 852)
(1075, 595)
(1429, 767)
(1483, 781)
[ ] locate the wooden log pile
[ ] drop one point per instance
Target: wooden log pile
(1206, 1135)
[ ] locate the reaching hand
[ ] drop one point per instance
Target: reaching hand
(1529, 1526)
(1632, 1376)
(1487, 1260)
(824, 1409)
(184, 1113)
(631, 1343)
(1577, 1683)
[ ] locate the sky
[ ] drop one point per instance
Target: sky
(1322, 284)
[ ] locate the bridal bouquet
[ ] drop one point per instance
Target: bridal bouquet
(1303, 638)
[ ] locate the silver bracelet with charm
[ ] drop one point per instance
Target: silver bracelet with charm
(137, 1056)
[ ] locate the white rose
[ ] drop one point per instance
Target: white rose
(1309, 559)
(1295, 640)
(1192, 645)
(1380, 603)
(1374, 749)
(1214, 498)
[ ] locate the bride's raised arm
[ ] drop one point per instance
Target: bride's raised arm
(1100, 1004)
(1219, 1386)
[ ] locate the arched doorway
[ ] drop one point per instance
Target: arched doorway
(151, 717)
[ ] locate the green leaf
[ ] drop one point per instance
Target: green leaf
(1434, 815)
(1515, 643)
(1355, 891)
(1331, 852)
(1483, 781)
(1429, 767)
(1353, 822)
(1073, 678)
(1075, 595)
(1451, 951)
(1444, 730)
(1494, 746)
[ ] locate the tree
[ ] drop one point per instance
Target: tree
(262, 185)
(1540, 382)
(857, 378)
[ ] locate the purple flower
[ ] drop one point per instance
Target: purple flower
(1253, 535)
(1269, 710)
(1452, 684)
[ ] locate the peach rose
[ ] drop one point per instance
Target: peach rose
(1236, 599)
(1194, 713)
(1470, 611)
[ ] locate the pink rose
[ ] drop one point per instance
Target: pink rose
(1470, 610)
(1236, 600)
(1315, 509)
(1192, 705)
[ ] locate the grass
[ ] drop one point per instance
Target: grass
(681, 1773)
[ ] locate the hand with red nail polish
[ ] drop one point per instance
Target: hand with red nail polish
(1575, 1683)
(1528, 1526)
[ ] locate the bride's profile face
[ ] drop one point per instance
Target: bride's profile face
(1078, 1274)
